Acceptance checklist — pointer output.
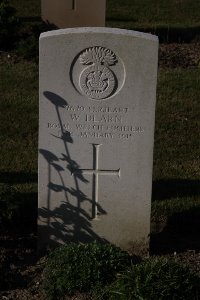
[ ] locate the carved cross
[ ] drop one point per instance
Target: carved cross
(96, 172)
(73, 4)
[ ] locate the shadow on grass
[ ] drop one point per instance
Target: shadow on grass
(180, 233)
(18, 243)
(18, 177)
(30, 19)
(166, 34)
(176, 34)
(172, 188)
(28, 211)
(24, 220)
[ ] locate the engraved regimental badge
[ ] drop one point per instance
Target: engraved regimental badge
(98, 81)
(95, 73)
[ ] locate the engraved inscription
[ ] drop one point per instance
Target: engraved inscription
(103, 119)
(97, 81)
(100, 122)
(96, 172)
(97, 109)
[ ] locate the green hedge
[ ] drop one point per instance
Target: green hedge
(154, 279)
(74, 267)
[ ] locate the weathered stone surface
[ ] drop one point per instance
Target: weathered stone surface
(73, 13)
(96, 132)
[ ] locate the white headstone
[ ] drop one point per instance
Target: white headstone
(96, 134)
(73, 13)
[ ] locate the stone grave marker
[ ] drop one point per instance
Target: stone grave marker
(73, 13)
(96, 135)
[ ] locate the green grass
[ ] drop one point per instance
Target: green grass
(137, 13)
(96, 265)
(30, 8)
(19, 121)
(172, 21)
(155, 12)
(177, 125)
(176, 150)
(155, 278)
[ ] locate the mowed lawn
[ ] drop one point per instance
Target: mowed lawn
(142, 13)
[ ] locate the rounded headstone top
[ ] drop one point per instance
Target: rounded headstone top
(105, 30)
